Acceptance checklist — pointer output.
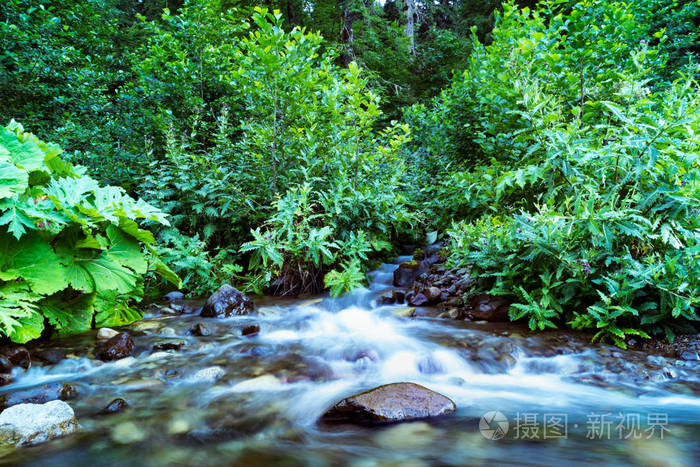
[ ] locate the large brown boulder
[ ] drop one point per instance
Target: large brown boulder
(394, 402)
(226, 302)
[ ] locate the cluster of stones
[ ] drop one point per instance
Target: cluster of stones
(426, 282)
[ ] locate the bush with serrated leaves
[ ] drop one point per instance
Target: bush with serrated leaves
(582, 203)
(71, 251)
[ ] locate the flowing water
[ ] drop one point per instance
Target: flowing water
(227, 399)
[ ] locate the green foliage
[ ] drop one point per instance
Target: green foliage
(586, 179)
(200, 270)
(70, 250)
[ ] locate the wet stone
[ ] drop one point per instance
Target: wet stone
(50, 356)
(417, 300)
(689, 355)
(5, 365)
(200, 329)
(118, 347)
(105, 334)
(39, 395)
(173, 296)
(18, 356)
(30, 424)
(226, 302)
(251, 330)
(169, 345)
(116, 406)
(391, 403)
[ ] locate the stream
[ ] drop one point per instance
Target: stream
(550, 398)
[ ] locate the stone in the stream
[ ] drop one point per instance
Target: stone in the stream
(433, 294)
(50, 356)
(39, 395)
(116, 406)
(226, 302)
(18, 356)
(5, 365)
(5, 379)
(406, 273)
(251, 330)
(417, 299)
(119, 346)
(207, 375)
(489, 308)
(29, 424)
(200, 329)
(688, 355)
(105, 334)
(173, 296)
(394, 402)
(169, 345)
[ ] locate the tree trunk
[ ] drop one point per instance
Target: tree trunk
(346, 34)
(411, 25)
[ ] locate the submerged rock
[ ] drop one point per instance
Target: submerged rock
(39, 395)
(50, 356)
(207, 375)
(394, 402)
(119, 346)
(251, 330)
(116, 406)
(28, 424)
(200, 329)
(169, 345)
(17, 356)
(227, 301)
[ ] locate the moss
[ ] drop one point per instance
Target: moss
(419, 254)
(413, 264)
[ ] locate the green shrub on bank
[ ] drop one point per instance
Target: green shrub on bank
(582, 203)
(71, 252)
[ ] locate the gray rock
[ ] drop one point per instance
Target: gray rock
(391, 403)
(407, 273)
(227, 301)
(207, 375)
(105, 334)
(29, 424)
(173, 296)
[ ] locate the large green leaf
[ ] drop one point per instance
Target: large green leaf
(18, 309)
(69, 316)
(14, 218)
(35, 261)
(126, 250)
(112, 310)
(27, 155)
(12, 180)
(30, 327)
(96, 274)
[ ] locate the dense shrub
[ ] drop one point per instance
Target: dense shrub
(71, 252)
(583, 201)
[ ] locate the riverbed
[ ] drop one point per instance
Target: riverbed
(522, 398)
